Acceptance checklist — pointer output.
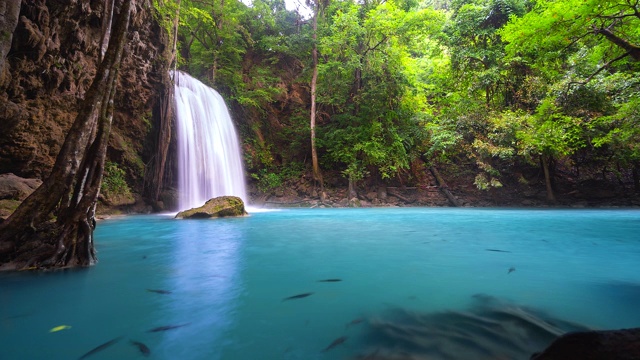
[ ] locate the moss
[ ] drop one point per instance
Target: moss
(7, 207)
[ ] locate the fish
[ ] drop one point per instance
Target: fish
(59, 328)
(17, 316)
(511, 269)
(167, 327)
(100, 348)
(335, 343)
(330, 280)
(144, 349)
(497, 250)
(159, 291)
(299, 296)
(355, 322)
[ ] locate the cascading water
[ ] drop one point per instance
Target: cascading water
(209, 157)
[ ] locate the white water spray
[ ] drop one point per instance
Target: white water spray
(209, 157)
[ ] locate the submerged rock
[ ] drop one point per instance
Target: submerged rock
(594, 345)
(222, 206)
(489, 330)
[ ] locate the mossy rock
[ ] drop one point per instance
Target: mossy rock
(222, 206)
(7, 207)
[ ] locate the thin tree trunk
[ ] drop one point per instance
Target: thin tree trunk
(174, 51)
(317, 175)
(351, 192)
(547, 178)
(107, 19)
(636, 176)
(29, 237)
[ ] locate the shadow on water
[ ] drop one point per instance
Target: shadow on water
(490, 329)
(626, 294)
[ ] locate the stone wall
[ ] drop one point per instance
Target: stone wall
(52, 61)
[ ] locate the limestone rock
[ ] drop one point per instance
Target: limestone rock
(52, 61)
(594, 345)
(222, 206)
(13, 187)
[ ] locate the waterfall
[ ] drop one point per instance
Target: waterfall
(209, 157)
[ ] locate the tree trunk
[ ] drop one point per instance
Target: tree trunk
(351, 192)
(154, 177)
(9, 12)
(443, 186)
(107, 19)
(317, 175)
(636, 177)
(174, 49)
(547, 178)
(29, 237)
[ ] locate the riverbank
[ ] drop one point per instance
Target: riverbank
(427, 192)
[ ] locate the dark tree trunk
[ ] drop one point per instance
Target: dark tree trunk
(443, 187)
(547, 178)
(54, 226)
(636, 176)
(155, 175)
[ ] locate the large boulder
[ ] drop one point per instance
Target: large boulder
(222, 206)
(14, 187)
(594, 345)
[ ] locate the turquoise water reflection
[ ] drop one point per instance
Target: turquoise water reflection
(228, 279)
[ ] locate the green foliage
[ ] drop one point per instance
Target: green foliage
(483, 183)
(355, 172)
(267, 180)
(113, 181)
(477, 50)
(371, 82)
(165, 13)
(576, 35)
(270, 179)
(493, 83)
(549, 132)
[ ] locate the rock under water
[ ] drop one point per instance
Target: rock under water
(490, 330)
(594, 345)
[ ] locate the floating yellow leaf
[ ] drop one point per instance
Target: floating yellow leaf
(61, 327)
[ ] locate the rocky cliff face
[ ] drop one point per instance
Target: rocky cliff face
(54, 55)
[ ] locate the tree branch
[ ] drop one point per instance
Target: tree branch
(603, 67)
(632, 50)
(369, 48)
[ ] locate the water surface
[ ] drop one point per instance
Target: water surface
(405, 274)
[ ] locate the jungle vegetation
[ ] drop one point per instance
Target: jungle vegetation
(498, 84)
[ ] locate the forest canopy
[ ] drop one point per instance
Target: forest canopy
(499, 85)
